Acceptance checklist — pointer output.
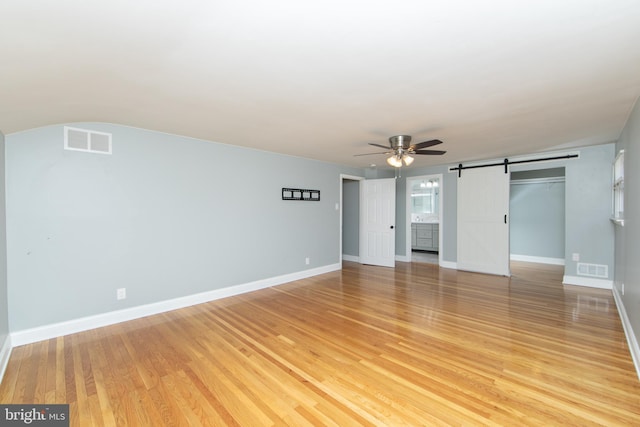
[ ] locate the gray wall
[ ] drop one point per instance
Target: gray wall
(536, 209)
(588, 192)
(588, 230)
(351, 218)
(167, 216)
(4, 308)
(164, 216)
(628, 237)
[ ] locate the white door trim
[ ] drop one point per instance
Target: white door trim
(408, 181)
(343, 178)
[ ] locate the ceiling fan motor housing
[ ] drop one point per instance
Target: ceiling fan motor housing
(402, 150)
(400, 141)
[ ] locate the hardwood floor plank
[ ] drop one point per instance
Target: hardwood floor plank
(50, 383)
(41, 386)
(169, 414)
(237, 404)
(9, 383)
(60, 386)
(70, 373)
(102, 381)
(28, 368)
(373, 346)
(81, 375)
(97, 416)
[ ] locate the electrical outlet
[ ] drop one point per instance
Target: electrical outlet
(622, 289)
(575, 257)
(306, 260)
(121, 293)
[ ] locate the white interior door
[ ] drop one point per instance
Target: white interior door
(483, 212)
(378, 221)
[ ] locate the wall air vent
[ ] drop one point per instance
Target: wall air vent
(593, 270)
(87, 140)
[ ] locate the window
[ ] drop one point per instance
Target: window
(618, 189)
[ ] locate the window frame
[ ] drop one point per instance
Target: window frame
(618, 189)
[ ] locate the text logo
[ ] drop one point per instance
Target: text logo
(34, 415)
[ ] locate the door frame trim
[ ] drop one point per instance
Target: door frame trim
(408, 181)
(343, 178)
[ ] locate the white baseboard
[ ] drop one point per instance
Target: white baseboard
(589, 282)
(5, 353)
(628, 331)
(537, 259)
(401, 258)
(41, 333)
(449, 264)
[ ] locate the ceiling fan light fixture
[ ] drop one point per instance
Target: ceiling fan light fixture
(394, 161)
(401, 150)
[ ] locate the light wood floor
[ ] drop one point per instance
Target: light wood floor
(414, 345)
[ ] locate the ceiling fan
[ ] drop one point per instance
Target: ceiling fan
(401, 150)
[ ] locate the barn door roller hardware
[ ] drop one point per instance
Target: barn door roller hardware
(506, 163)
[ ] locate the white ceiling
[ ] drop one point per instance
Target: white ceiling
(321, 79)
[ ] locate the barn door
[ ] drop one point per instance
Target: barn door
(483, 215)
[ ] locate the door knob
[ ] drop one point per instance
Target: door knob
(392, 227)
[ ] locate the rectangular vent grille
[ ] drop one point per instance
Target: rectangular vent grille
(593, 270)
(87, 140)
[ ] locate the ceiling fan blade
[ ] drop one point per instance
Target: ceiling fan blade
(430, 152)
(426, 144)
(369, 154)
(386, 147)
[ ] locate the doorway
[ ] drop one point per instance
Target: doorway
(425, 220)
(349, 218)
(537, 210)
